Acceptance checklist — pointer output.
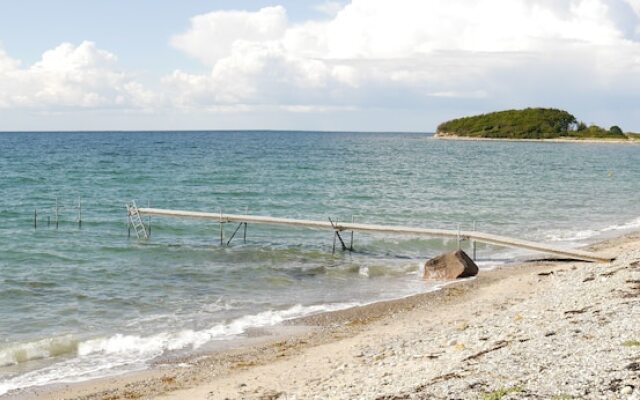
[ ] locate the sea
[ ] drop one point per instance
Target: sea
(82, 297)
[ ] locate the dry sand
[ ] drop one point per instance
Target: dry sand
(556, 330)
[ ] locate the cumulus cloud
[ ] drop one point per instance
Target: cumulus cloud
(330, 8)
(362, 55)
(475, 49)
(213, 36)
(70, 76)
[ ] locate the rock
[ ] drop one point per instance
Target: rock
(627, 390)
(450, 266)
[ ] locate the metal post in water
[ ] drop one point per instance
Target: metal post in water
(245, 233)
(473, 243)
(48, 220)
(35, 218)
(351, 244)
(333, 249)
(221, 230)
(79, 213)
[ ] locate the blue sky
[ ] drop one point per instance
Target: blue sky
(330, 65)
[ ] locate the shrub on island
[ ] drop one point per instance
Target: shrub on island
(530, 123)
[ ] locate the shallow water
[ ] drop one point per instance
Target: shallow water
(77, 303)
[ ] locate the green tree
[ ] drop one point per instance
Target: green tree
(615, 130)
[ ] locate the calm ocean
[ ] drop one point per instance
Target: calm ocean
(81, 303)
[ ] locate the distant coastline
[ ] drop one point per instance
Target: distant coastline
(531, 124)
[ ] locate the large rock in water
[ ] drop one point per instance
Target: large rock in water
(449, 266)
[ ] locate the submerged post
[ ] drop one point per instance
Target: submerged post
(57, 213)
(351, 244)
(79, 213)
(35, 218)
(473, 243)
(336, 231)
(244, 236)
(221, 230)
(149, 218)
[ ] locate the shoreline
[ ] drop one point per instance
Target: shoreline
(282, 350)
(556, 140)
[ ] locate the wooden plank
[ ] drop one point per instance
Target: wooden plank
(374, 228)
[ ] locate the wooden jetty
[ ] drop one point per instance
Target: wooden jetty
(373, 228)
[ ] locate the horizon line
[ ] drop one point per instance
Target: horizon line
(207, 130)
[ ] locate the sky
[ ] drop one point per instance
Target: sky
(363, 65)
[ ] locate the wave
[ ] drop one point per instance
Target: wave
(100, 357)
(45, 348)
(582, 235)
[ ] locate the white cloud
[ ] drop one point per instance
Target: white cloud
(362, 56)
(213, 36)
(69, 76)
(475, 49)
(330, 8)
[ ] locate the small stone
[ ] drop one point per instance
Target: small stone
(628, 389)
(462, 326)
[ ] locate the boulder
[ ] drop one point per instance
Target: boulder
(449, 266)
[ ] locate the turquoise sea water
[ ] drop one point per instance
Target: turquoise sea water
(80, 303)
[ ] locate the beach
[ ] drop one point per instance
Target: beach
(541, 329)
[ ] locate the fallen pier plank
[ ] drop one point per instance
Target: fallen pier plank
(399, 230)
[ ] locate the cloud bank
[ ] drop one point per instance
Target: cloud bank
(70, 77)
(367, 55)
(442, 48)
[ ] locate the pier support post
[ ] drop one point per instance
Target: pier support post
(221, 230)
(351, 243)
(473, 244)
(244, 236)
(337, 233)
(236, 231)
(79, 213)
(149, 219)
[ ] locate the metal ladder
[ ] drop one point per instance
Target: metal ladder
(136, 221)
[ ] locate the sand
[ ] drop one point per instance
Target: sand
(535, 330)
(555, 140)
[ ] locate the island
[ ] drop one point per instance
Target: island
(529, 124)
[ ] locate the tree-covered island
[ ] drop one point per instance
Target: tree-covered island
(530, 123)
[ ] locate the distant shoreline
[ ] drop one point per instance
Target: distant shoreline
(555, 140)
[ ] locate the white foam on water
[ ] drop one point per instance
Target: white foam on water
(120, 353)
(582, 235)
